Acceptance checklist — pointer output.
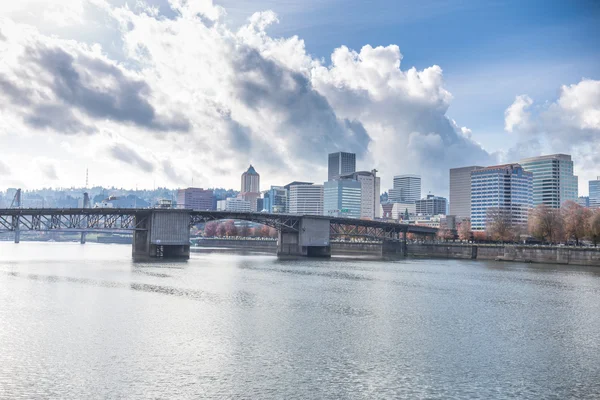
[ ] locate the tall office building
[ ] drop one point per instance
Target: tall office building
(342, 198)
(277, 200)
(195, 199)
(501, 188)
(306, 199)
(250, 190)
(341, 164)
(370, 185)
(595, 192)
(553, 179)
(432, 205)
(460, 191)
(407, 189)
(250, 181)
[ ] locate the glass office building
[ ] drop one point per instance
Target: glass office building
(595, 193)
(340, 164)
(553, 179)
(504, 188)
(342, 198)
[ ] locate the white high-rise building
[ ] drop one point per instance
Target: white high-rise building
(505, 189)
(553, 179)
(407, 189)
(306, 199)
(370, 185)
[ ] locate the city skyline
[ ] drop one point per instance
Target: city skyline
(75, 97)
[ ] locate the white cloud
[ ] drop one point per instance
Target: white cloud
(517, 114)
(192, 97)
(571, 124)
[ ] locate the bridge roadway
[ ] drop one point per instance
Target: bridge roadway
(165, 232)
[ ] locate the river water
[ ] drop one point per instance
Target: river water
(85, 322)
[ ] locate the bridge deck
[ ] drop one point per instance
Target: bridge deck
(124, 218)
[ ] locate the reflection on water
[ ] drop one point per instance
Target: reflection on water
(86, 322)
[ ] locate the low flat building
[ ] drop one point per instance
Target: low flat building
(431, 205)
(397, 211)
(234, 204)
(195, 199)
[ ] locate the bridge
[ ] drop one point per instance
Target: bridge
(166, 232)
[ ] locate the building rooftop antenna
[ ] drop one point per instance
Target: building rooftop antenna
(86, 178)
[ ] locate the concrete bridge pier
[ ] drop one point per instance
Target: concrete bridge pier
(17, 228)
(82, 239)
(395, 248)
(161, 234)
(312, 240)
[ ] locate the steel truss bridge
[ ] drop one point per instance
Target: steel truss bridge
(127, 219)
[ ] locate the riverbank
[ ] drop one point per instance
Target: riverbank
(587, 256)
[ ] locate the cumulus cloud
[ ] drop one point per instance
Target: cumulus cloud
(517, 114)
(53, 83)
(237, 97)
(571, 124)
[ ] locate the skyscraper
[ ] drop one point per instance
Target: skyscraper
(595, 192)
(342, 198)
(507, 189)
(407, 189)
(250, 190)
(250, 181)
(460, 191)
(553, 179)
(370, 185)
(341, 164)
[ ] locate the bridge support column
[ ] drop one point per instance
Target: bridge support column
(82, 239)
(394, 248)
(17, 228)
(312, 240)
(161, 234)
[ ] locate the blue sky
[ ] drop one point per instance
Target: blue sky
(490, 51)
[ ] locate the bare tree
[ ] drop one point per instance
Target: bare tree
(576, 219)
(480, 236)
(464, 230)
(594, 226)
(230, 228)
(445, 234)
(273, 232)
(244, 230)
(264, 231)
(210, 229)
(221, 230)
(499, 225)
(546, 223)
